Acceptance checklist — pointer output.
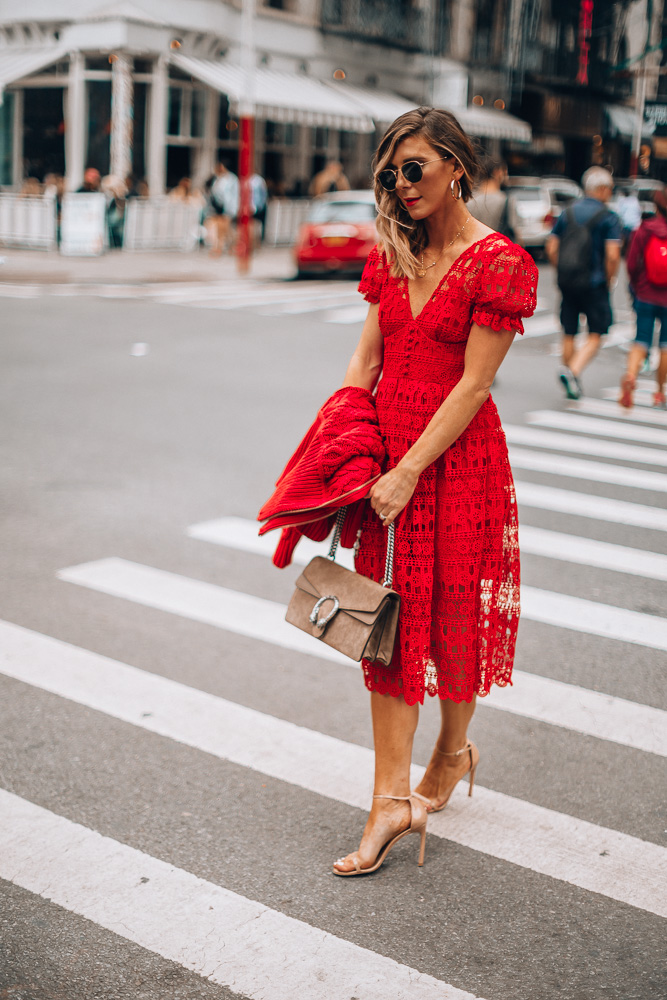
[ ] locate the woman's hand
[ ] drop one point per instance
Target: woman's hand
(391, 493)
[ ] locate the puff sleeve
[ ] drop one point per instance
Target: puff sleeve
(374, 275)
(506, 290)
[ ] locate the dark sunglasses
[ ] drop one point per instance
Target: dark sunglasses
(412, 172)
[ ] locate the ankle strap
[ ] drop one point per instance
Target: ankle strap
(399, 798)
(454, 753)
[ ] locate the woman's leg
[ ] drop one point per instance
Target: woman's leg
(394, 725)
(444, 772)
(661, 373)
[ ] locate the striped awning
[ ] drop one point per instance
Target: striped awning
(380, 105)
(492, 124)
(17, 63)
(279, 96)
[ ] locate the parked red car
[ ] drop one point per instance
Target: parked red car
(338, 234)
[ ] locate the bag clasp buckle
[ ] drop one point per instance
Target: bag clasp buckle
(322, 622)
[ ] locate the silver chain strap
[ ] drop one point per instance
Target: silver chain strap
(389, 562)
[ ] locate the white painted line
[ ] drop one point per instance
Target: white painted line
(239, 533)
(603, 408)
(591, 425)
(596, 472)
(605, 620)
(642, 396)
(540, 326)
(298, 307)
(258, 618)
(595, 858)
(590, 552)
(573, 444)
(588, 505)
(221, 936)
(353, 314)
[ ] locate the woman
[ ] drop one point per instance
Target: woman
(647, 269)
(446, 295)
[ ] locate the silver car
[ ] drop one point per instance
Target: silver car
(529, 211)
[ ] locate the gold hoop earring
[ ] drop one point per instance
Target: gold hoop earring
(456, 197)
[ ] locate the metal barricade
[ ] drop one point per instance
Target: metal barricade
(27, 221)
(283, 219)
(161, 224)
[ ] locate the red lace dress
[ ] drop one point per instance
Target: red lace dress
(457, 550)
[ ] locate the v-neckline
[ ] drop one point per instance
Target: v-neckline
(415, 318)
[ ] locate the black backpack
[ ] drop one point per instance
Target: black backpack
(574, 252)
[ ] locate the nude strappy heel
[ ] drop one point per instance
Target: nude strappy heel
(418, 820)
(470, 749)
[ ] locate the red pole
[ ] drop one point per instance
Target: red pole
(246, 163)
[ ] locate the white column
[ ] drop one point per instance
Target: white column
(157, 153)
(17, 140)
(122, 111)
(207, 157)
(75, 122)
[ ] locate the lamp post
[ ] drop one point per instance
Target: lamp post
(247, 135)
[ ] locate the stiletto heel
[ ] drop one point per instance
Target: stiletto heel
(470, 749)
(418, 820)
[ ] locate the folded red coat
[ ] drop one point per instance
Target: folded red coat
(338, 460)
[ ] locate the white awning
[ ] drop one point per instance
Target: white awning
(492, 124)
(380, 105)
(622, 120)
(281, 97)
(15, 64)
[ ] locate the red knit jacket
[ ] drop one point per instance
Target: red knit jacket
(335, 465)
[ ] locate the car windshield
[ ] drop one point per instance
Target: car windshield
(527, 194)
(342, 211)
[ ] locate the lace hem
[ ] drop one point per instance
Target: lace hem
(497, 321)
(387, 680)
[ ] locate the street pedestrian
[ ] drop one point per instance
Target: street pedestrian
(629, 211)
(223, 206)
(92, 180)
(585, 248)
(260, 197)
(331, 178)
(446, 299)
(647, 270)
(490, 203)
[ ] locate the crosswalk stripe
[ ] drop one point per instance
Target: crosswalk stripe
(588, 505)
(642, 397)
(604, 408)
(571, 443)
(239, 533)
(540, 326)
(352, 314)
(218, 934)
(590, 552)
(297, 306)
(563, 847)
(596, 472)
(257, 618)
(593, 425)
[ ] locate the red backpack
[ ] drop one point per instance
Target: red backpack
(655, 260)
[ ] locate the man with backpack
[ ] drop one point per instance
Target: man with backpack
(647, 269)
(585, 248)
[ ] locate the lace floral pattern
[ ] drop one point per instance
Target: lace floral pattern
(457, 551)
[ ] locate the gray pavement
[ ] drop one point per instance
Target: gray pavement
(151, 267)
(111, 454)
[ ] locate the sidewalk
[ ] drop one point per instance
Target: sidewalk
(35, 267)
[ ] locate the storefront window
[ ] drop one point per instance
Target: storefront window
(99, 124)
(198, 111)
(6, 138)
(139, 131)
(175, 106)
(43, 132)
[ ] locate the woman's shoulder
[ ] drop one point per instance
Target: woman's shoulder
(497, 247)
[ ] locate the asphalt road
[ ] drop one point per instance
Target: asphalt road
(127, 422)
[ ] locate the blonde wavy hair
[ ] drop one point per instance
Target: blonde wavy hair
(400, 237)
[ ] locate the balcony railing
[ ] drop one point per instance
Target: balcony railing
(393, 22)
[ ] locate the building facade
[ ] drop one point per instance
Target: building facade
(153, 88)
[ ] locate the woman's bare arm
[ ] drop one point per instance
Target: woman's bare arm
(365, 365)
(485, 351)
